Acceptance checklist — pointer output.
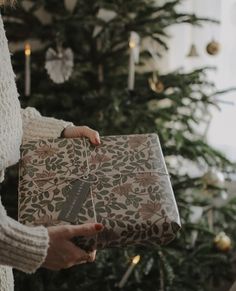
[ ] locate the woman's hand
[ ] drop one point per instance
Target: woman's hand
(80, 131)
(62, 253)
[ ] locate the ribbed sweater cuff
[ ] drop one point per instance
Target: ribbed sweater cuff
(22, 247)
(44, 127)
(36, 126)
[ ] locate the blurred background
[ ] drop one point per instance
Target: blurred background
(184, 36)
(141, 66)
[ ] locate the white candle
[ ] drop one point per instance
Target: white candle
(124, 279)
(27, 69)
(134, 58)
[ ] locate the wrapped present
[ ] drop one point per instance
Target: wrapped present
(122, 183)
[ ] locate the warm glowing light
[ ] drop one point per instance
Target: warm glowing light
(132, 44)
(136, 260)
(27, 49)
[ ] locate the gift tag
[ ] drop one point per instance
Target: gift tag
(75, 200)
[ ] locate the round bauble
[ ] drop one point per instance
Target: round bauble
(213, 48)
(222, 242)
(214, 178)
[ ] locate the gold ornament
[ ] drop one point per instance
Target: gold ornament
(213, 48)
(193, 51)
(222, 242)
(156, 84)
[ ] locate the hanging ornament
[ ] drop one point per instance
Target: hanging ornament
(215, 189)
(214, 178)
(213, 48)
(193, 53)
(59, 64)
(156, 84)
(222, 242)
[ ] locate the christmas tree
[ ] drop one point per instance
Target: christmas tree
(82, 58)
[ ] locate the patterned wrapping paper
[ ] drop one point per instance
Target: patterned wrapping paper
(123, 184)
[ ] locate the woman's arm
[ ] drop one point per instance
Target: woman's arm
(23, 248)
(28, 248)
(36, 126)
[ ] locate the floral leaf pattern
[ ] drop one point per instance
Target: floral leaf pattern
(130, 190)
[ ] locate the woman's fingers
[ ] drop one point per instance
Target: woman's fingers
(80, 131)
(87, 229)
(92, 257)
(62, 253)
(93, 135)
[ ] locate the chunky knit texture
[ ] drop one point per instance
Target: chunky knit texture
(10, 118)
(21, 247)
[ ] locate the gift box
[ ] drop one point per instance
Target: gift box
(122, 183)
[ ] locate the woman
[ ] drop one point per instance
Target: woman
(21, 247)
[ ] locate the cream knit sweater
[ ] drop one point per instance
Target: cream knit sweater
(21, 247)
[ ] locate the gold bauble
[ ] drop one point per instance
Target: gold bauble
(156, 84)
(222, 242)
(213, 48)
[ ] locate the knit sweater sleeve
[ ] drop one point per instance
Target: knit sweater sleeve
(36, 126)
(21, 247)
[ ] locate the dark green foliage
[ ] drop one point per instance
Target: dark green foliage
(105, 103)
